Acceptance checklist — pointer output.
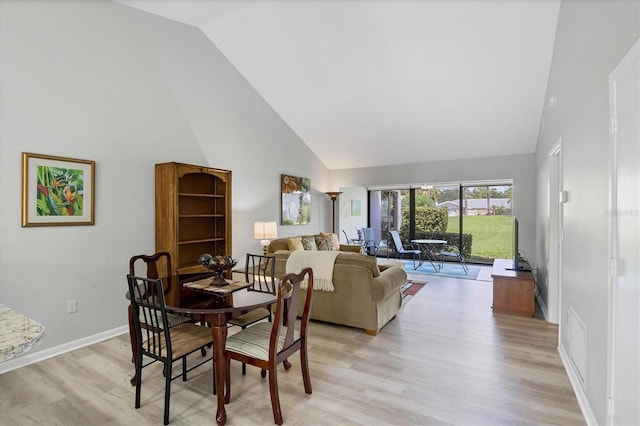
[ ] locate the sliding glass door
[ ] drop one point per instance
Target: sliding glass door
(472, 217)
(386, 211)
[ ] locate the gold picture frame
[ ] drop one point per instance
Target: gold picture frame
(57, 191)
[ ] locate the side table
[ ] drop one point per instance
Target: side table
(513, 291)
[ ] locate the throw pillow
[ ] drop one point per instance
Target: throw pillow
(309, 243)
(336, 240)
(325, 242)
(295, 243)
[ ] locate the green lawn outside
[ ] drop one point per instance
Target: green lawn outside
(491, 235)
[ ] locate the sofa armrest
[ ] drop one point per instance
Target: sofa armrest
(390, 280)
(354, 248)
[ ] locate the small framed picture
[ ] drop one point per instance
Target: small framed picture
(355, 208)
(57, 191)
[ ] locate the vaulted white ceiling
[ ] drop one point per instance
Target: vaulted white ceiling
(379, 82)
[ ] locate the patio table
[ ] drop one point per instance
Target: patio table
(427, 249)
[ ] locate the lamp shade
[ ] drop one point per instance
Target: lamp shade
(265, 230)
(333, 194)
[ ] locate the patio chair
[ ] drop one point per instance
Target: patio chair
(453, 252)
(370, 245)
(402, 251)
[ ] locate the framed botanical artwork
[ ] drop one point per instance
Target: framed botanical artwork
(296, 200)
(57, 191)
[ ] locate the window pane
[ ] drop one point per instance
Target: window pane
(435, 207)
(486, 215)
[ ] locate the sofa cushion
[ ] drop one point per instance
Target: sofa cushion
(356, 259)
(389, 263)
(336, 239)
(309, 242)
(283, 244)
(295, 243)
(279, 244)
(326, 242)
(344, 258)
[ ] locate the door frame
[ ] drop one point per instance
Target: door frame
(554, 280)
(628, 61)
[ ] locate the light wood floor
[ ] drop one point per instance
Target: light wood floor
(446, 359)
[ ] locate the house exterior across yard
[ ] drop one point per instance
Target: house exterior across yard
(477, 206)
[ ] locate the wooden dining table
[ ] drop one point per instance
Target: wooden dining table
(214, 310)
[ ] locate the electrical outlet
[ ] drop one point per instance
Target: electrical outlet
(72, 306)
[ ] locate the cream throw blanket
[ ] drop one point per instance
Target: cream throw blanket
(320, 261)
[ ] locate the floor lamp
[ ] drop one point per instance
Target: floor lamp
(334, 197)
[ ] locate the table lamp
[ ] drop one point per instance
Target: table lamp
(264, 231)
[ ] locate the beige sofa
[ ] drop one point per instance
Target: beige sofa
(365, 295)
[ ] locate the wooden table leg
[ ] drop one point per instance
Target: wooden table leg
(219, 335)
(134, 344)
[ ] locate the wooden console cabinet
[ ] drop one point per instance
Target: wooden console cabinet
(193, 214)
(513, 291)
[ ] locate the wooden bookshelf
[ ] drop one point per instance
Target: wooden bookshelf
(193, 214)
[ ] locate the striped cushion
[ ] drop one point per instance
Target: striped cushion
(145, 314)
(185, 338)
(254, 341)
(250, 317)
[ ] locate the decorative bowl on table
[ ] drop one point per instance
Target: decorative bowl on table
(218, 264)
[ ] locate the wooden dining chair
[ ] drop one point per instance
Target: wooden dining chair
(156, 265)
(259, 271)
(266, 345)
(159, 342)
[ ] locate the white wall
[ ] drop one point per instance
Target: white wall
(100, 81)
(348, 222)
(592, 37)
(520, 168)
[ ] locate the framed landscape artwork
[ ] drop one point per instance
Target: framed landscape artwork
(57, 191)
(296, 200)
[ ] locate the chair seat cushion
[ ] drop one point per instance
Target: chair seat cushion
(250, 317)
(409, 251)
(254, 341)
(172, 319)
(449, 254)
(185, 338)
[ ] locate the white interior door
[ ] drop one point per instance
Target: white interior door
(624, 282)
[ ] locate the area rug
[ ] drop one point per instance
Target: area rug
(449, 269)
(410, 288)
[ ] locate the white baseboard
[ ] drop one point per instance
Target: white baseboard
(543, 307)
(32, 358)
(577, 388)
